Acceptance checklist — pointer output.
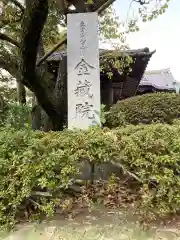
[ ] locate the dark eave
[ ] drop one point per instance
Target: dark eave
(141, 58)
(128, 80)
(144, 52)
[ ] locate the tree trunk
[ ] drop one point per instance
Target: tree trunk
(60, 90)
(36, 117)
(3, 104)
(34, 78)
(21, 93)
(35, 114)
(34, 101)
(59, 96)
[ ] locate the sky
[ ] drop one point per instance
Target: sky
(162, 35)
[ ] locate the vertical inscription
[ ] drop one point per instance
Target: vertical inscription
(83, 71)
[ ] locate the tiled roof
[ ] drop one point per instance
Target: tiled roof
(57, 56)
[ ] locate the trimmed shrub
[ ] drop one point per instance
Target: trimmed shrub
(47, 162)
(36, 161)
(152, 154)
(147, 108)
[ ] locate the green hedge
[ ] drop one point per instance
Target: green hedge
(152, 153)
(147, 108)
(44, 161)
(32, 161)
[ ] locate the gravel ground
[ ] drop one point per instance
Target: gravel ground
(100, 224)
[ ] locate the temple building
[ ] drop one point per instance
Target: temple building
(158, 81)
(122, 84)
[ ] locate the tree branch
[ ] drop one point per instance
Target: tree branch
(18, 4)
(10, 63)
(41, 60)
(96, 7)
(142, 2)
(10, 66)
(9, 39)
(97, 4)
